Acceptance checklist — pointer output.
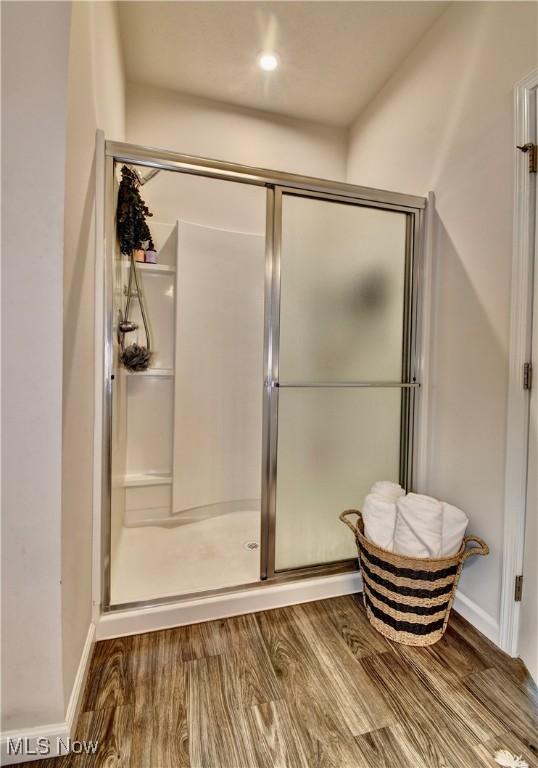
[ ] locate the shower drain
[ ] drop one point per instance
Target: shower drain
(251, 545)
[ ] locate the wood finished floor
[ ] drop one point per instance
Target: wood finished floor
(309, 686)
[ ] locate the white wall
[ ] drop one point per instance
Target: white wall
(61, 81)
(96, 100)
(35, 48)
(166, 119)
(444, 122)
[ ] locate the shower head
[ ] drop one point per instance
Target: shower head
(126, 326)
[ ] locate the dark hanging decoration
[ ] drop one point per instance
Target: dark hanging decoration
(131, 215)
(133, 233)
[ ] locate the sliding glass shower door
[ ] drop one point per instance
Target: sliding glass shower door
(340, 384)
(298, 292)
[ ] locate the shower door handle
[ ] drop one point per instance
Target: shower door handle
(345, 384)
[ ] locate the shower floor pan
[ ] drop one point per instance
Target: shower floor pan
(154, 561)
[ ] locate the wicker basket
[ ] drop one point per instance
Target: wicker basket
(409, 599)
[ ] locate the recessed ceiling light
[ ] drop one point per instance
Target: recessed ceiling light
(268, 61)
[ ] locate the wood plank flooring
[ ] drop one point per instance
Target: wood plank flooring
(309, 686)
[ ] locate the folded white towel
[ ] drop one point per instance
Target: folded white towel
(379, 517)
(387, 490)
(454, 526)
(419, 525)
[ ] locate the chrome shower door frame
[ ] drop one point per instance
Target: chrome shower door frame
(410, 362)
(276, 183)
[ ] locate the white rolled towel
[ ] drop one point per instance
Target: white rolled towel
(379, 518)
(387, 490)
(455, 523)
(419, 526)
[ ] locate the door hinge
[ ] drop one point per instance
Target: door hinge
(527, 375)
(518, 589)
(532, 150)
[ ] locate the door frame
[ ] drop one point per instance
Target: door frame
(107, 152)
(525, 130)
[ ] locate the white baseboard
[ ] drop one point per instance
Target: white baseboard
(50, 740)
(77, 692)
(476, 616)
(253, 600)
(196, 610)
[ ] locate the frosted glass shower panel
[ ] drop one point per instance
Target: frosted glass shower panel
(219, 368)
(342, 292)
(332, 444)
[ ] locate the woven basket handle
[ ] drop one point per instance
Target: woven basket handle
(481, 547)
(343, 515)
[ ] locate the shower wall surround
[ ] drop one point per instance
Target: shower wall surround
(219, 368)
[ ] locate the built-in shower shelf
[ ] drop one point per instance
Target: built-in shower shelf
(144, 266)
(160, 372)
(142, 479)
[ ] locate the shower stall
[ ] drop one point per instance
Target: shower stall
(284, 314)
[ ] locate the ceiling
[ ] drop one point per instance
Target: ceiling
(334, 56)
